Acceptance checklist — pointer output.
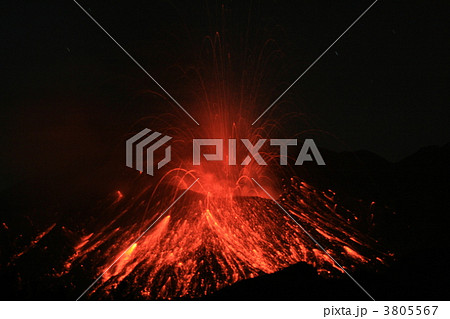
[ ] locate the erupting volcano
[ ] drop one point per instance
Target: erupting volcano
(161, 239)
(204, 243)
(224, 150)
(224, 229)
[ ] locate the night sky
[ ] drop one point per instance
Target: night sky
(69, 94)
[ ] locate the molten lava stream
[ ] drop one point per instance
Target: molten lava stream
(205, 243)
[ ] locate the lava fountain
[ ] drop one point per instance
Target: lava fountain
(224, 229)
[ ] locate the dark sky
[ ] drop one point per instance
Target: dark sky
(69, 94)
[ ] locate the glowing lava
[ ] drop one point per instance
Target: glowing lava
(205, 243)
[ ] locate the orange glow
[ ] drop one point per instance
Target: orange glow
(225, 229)
(209, 242)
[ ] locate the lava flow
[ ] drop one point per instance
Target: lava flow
(204, 243)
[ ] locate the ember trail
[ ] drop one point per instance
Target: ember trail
(207, 242)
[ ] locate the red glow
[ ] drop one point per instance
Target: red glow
(207, 242)
(224, 229)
